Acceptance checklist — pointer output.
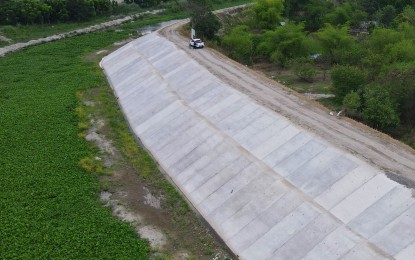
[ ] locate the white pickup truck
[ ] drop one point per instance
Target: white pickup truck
(196, 43)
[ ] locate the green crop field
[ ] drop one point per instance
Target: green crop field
(49, 206)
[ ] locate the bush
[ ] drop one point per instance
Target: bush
(380, 110)
(239, 44)
(208, 25)
(352, 103)
(268, 13)
(304, 69)
(346, 79)
(203, 20)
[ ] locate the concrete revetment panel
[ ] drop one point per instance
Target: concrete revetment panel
(269, 188)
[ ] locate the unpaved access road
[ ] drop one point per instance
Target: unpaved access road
(396, 159)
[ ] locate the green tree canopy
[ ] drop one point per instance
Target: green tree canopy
(352, 103)
(334, 41)
(315, 14)
(239, 44)
(350, 13)
(51, 11)
(285, 43)
(398, 79)
(144, 3)
(380, 110)
(386, 15)
(406, 16)
(346, 79)
(268, 13)
(202, 19)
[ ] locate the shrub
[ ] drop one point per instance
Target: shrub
(352, 103)
(346, 79)
(304, 69)
(379, 109)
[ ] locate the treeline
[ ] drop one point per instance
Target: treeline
(368, 48)
(14, 12)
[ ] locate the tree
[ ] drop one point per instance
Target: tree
(315, 14)
(386, 15)
(294, 7)
(352, 103)
(208, 25)
(406, 16)
(304, 69)
(80, 10)
(382, 37)
(202, 19)
(268, 13)
(334, 41)
(346, 79)
(402, 51)
(239, 44)
(285, 43)
(398, 79)
(379, 109)
(349, 13)
(49, 11)
(144, 3)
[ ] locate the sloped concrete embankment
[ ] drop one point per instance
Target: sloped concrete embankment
(270, 189)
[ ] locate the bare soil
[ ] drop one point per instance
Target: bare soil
(377, 149)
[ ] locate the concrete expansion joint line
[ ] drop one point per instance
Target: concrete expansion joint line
(298, 188)
(267, 169)
(212, 126)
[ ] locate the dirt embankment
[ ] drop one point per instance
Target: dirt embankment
(377, 149)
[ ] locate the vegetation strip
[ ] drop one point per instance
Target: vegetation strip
(89, 29)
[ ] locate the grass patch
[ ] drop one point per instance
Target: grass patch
(330, 103)
(49, 205)
(319, 86)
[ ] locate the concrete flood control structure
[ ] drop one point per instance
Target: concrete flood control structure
(270, 189)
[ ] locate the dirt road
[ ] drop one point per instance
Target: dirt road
(394, 158)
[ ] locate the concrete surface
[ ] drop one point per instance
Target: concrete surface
(270, 189)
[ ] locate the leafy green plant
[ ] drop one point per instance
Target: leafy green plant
(94, 166)
(346, 79)
(304, 69)
(380, 110)
(352, 103)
